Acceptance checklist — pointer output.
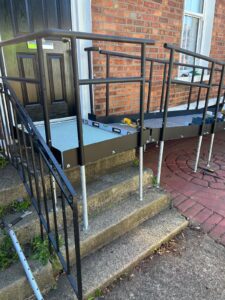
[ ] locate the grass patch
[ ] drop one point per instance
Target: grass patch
(16, 206)
(98, 293)
(136, 162)
(40, 251)
(154, 181)
(8, 254)
(3, 161)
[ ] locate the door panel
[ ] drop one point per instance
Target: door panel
(22, 16)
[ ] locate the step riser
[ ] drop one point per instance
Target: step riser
(137, 260)
(8, 196)
(101, 166)
(116, 193)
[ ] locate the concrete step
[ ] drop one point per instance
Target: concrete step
(107, 226)
(110, 262)
(119, 219)
(14, 284)
(11, 186)
(103, 192)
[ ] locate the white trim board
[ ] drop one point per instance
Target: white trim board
(82, 21)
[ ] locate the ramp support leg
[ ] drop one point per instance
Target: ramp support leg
(141, 172)
(210, 150)
(160, 163)
(25, 265)
(84, 197)
(198, 153)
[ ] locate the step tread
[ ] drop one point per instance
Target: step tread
(120, 211)
(105, 265)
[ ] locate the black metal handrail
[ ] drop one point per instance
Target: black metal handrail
(153, 61)
(43, 178)
(33, 158)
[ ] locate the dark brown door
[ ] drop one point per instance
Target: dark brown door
(22, 16)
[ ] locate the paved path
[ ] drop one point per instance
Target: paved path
(198, 196)
(192, 268)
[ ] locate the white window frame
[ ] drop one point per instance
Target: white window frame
(205, 28)
(82, 21)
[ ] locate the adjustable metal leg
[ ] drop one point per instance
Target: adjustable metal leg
(198, 153)
(25, 265)
(160, 163)
(84, 197)
(210, 150)
(141, 172)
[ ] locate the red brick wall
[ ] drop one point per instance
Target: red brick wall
(153, 19)
(218, 38)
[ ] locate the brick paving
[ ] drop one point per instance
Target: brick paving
(198, 196)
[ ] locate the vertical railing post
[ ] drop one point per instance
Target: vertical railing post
(190, 91)
(150, 86)
(90, 76)
(107, 84)
(79, 128)
(44, 99)
(141, 127)
(165, 112)
(5, 121)
(215, 116)
(163, 86)
(201, 132)
(43, 91)
(200, 89)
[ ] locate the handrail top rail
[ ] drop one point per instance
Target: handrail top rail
(191, 53)
(150, 59)
(48, 33)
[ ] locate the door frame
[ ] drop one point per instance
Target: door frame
(82, 21)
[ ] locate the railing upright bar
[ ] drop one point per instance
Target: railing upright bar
(90, 76)
(77, 248)
(54, 208)
(190, 91)
(165, 112)
(200, 89)
(43, 91)
(204, 118)
(45, 198)
(20, 147)
(11, 130)
(36, 179)
(107, 84)
(163, 87)
(5, 142)
(65, 233)
(150, 86)
(79, 128)
(141, 128)
(27, 167)
(4, 112)
(215, 116)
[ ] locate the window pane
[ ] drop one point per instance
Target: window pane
(189, 37)
(194, 5)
